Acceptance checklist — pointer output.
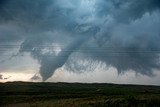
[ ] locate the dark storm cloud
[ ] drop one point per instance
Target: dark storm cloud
(135, 45)
(31, 15)
(127, 10)
(122, 33)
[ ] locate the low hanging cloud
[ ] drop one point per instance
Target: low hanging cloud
(1, 77)
(120, 33)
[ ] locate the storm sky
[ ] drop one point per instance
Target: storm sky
(43, 39)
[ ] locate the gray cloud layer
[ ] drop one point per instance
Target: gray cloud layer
(122, 33)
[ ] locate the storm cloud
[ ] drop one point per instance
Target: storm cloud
(120, 33)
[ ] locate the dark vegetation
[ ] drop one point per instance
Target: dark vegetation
(23, 94)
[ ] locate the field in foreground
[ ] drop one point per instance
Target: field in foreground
(23, 94)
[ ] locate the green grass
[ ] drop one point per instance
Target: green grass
(18, 94)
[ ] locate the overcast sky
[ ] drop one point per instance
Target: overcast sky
(115, 41)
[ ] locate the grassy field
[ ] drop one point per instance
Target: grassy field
(23, 94)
